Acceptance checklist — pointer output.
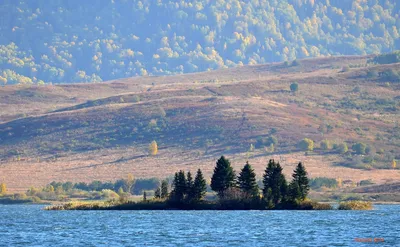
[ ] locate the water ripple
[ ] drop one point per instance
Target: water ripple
(24, 225)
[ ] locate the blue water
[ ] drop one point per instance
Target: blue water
(29, 225)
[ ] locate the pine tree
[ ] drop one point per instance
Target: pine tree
(275, 185)
(179, 184)
(301, 179)
(157, 193)
(189, 186)
(223, 177)
(144, 196)
(294, 191)
(247, 181)
(164, 189)
(200, 186)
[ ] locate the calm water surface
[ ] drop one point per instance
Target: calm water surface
(29, 225)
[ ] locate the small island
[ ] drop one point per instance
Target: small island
(232, 192)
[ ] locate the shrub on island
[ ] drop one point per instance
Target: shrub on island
(355, 205)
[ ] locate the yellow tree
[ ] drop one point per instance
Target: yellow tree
(129, 182)
(306, 144)
(394, 164)
(50, 188)
(3, 189)
(339, 182)
(153, 148)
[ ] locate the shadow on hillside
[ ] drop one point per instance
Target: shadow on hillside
(107, 163)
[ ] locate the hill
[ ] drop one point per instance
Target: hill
(92, 41)
(84, 132)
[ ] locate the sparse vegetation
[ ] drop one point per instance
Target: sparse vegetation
(325, 145)
(387, 58)
(355, 205)
(342, 148)
(320, 182)
(117, 134)
(345, 69)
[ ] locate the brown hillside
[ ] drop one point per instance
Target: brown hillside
(83, 132)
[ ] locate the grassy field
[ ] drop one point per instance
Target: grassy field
(101, 131)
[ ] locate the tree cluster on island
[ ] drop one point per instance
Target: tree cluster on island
(242, 191)
(234, 192)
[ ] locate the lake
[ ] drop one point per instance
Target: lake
(29, 225)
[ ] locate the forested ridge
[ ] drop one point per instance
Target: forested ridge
(80, 41)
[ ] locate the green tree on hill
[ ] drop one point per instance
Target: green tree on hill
(342, 148)
(294, 87)
(325, 145)
(247, 181)
(223, 176)
(359, 148)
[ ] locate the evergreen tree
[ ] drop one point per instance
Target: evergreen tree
(144, 196)
(294, 191)
(275, 185)
(247, 181)
(301, 179)
(189, 186)
(157, 193)
(223, 177)
(180, 185)
(164, 189)
(200, 186)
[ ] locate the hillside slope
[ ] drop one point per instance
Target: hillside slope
(83, 132)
